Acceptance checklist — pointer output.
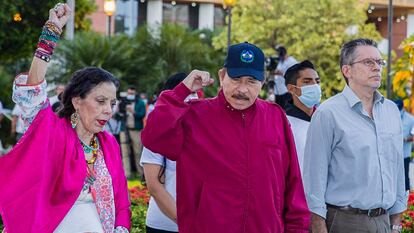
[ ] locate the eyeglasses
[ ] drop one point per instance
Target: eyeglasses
(371, 62)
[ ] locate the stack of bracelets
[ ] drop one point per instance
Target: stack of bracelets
(48, 41)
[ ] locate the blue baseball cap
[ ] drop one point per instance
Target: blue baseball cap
(245, 59)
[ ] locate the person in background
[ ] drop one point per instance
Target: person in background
(408, 132)
(302, 82)
(113, 126)
(55, 100)
(134, 124)
(1, 112)
(160, 177)
(284, 62)
(17, 123)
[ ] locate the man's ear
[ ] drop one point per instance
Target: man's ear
(346, 71)
(221, 74)
(292, 89)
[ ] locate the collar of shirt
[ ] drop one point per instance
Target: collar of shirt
(292, 110)
(353, 99)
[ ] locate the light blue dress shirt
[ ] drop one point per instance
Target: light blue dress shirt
(352, 159)
(408, 124)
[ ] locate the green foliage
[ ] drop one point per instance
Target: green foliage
(145, 60)
(403, 74)
(90, 49)
(139, 197)
(19, 39)
(83, 9)
(171, 49)
(309, 29)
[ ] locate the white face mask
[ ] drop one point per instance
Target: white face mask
(130, 97)
(192, 96)
(311, 95)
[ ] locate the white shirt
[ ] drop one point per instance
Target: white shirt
(299, 130)
(283, 66)
(155, 218)
(17, 111)
(84, 214)
(54, 99)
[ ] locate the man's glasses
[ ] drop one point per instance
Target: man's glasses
(371, 62)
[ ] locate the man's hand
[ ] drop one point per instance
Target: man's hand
(278, 72)
(60, 14)
(318, 224)
(130, 109)
(197, 79)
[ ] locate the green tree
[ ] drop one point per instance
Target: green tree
(309, 29)
(90, 49)
(171, 49)
(18, 39)
(403, 74)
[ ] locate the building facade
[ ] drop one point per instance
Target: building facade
(210, 14)
(403, 21)
(130, 14)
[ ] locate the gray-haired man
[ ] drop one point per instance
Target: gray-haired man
(353, 168)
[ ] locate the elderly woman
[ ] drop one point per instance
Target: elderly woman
(65, 174)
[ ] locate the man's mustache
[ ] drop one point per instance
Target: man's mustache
(240, 96)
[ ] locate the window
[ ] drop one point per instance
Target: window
(178, 13)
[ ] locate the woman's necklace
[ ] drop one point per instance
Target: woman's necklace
(93, 148)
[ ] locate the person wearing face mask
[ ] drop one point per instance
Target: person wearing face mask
(302, 82)
(134, 124)
(408, 138)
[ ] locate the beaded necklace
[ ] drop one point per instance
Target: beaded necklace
(92, 147)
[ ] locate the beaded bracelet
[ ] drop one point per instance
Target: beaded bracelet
(50, 38)
(45, 47)
(44, 56)
(49, 43)
(48, 32)
(53, 27)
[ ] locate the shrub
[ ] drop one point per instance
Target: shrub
(139, 203)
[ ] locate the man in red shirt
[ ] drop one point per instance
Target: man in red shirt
(237, 168)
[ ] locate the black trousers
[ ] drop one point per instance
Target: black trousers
(152, 230)
(406, 170)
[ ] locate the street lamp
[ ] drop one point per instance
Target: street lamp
(229, 4)
(390, 17)
(109, 9)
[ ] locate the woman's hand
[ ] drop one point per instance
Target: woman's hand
(60, 14)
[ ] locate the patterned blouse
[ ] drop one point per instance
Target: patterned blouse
(33, 98)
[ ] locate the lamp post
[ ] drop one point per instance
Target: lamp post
(229, 4)
(109, 9)
(390, 19)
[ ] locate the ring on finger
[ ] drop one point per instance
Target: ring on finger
(56, 8)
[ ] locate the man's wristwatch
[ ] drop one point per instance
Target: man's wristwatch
(396, 227)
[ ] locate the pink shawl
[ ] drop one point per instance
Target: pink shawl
(41, 178)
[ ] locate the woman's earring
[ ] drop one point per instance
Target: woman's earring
(74, 118)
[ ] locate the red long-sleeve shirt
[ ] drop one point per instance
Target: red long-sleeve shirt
(237, 171)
